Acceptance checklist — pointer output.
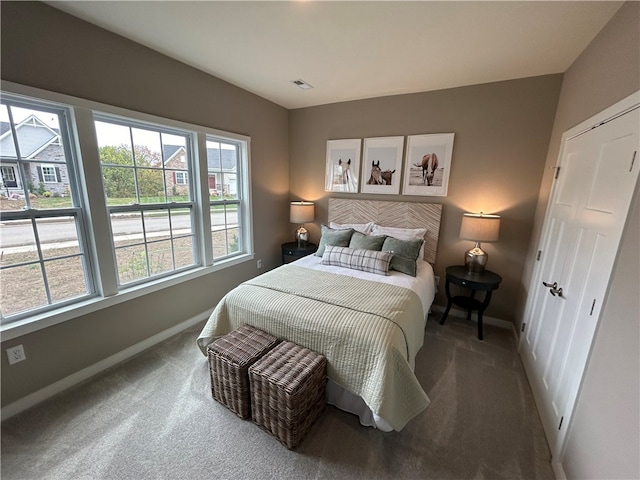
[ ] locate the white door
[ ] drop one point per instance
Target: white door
(582, 230)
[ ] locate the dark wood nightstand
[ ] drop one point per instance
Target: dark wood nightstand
(291, 251)
(484, 282)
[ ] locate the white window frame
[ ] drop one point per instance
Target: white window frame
(50, 172)
(8, 174)
(31, 215)
(98, 225)
(225, 203)
(182, 178)
(145, 209)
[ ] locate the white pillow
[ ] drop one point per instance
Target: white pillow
(400, 233)
(358, 227)
(371, 261)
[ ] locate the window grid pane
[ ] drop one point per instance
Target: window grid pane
(145, 239)
(59, 264)
(225, 229)
(143, 165)
(132, 263)
(14, 282)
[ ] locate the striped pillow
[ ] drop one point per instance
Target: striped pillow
(371, 261)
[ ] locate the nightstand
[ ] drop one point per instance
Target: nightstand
(291, 251)
(485, 282)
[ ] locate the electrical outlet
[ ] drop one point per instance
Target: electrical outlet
(259, 263)
(16, 354)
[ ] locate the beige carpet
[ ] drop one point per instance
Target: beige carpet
(153, 417)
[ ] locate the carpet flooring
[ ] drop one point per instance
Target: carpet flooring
(153, 417)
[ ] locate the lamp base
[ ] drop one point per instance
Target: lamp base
(302, 236)
(475, 259)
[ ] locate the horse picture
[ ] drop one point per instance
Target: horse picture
(342, 165)
(376, 174)
(429, 165)
(387, 176)
(382, 158)
(344, 171)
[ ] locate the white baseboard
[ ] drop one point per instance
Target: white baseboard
(496, 322)
(67, 382)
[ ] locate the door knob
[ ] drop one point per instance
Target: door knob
(553, 288)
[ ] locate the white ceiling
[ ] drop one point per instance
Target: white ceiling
(354, 50)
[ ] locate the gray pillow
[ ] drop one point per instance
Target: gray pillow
(405, 254)
(337, 238)
(366, 242)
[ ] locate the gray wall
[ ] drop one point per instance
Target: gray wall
(603, 440)
(45, 48)
(502, 139)
(502, 133)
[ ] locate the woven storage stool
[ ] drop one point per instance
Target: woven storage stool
(230, 357)
(288, 387)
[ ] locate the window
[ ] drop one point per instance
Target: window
(225, 204)
(9, 178)
(48, 174)
(176, 198)
(43, 262)
(181, 178)
(152, 216)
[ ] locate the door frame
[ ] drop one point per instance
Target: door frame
(620, 108)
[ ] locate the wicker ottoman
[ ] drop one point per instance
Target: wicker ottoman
(288, 387)
(230, 357)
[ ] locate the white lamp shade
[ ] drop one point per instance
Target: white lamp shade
(479, 227)
(301, 212)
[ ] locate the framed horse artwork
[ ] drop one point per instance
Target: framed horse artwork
(343, 166)
(382, 164)
(427, 164)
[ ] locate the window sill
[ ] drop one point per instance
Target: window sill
(38, 322)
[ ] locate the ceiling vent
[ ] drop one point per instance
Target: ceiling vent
(302, 84)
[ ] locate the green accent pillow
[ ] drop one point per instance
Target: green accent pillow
(366, 242)
(337, 238)
(405, 254)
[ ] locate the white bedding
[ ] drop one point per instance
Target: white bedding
(423, 284)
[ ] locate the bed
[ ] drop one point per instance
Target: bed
(370, 326)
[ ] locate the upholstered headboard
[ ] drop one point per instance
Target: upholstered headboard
(392, 214)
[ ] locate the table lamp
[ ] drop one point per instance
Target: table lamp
(478, 228)
(301, 213)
